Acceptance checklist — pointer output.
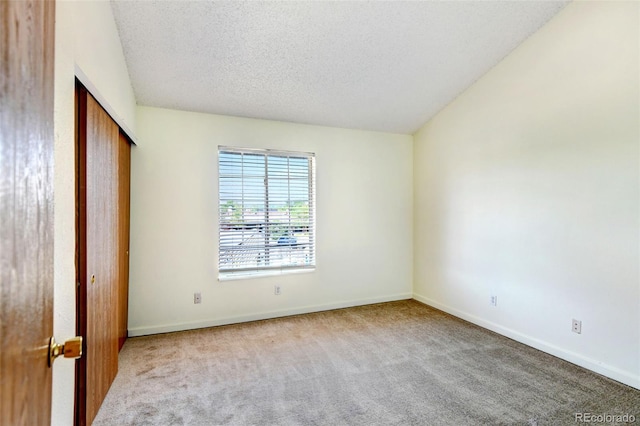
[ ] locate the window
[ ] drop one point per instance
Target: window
(267, 210)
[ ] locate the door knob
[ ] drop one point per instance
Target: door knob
(72, 348)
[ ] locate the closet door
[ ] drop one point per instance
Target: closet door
(103, 239)
(124, 173)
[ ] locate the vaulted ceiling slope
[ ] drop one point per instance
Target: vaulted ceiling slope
(374, 65)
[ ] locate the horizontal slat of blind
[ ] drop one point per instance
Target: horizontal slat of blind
(267, 210)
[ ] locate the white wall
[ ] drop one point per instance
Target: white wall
(526, 187)
(364, 221)
(86, 39)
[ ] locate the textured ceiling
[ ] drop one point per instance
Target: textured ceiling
(385, 66)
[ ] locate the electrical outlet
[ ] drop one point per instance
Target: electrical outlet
(197, 298)
(494, 300)
(576, 326)
(277, 290)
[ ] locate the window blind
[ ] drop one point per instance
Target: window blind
(267, 210)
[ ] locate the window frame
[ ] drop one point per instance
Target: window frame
(307, 249)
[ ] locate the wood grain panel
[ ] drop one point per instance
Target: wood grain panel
(26, 210)
(99, 251)
(124, 173)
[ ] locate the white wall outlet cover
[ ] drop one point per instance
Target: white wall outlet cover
(576, 326)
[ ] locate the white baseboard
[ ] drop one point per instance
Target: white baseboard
(168, 328)
(614, 373)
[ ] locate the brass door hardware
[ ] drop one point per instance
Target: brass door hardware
(72, 348)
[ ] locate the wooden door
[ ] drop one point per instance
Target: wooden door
(26, 210)
(124, 174)
(99, 237)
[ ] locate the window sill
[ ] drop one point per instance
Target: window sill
(247, 275)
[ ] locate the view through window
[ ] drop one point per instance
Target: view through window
(266, 210)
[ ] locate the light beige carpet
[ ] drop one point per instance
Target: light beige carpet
(399, 363)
